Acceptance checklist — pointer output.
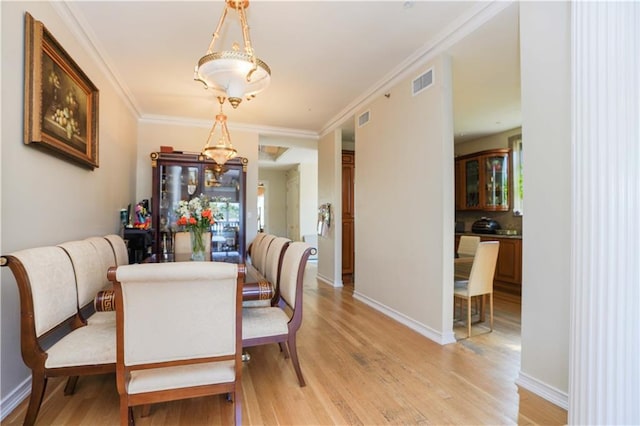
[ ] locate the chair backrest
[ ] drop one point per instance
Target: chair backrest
(106, 254)
(468, 245)
(275, 253)
(47, 286)
(182, 243)
(483, 268)
(254, 244)
(177, 311)
(90, 268)
(260, 257)
(292, 275)
(119, 249)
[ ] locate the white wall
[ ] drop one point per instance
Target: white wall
(45, 200)
(329, 191)
(546, 253)
(404, 205)
(308, 197)
(153, 134)
(275, 200)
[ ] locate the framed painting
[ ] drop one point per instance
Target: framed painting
(61, 103)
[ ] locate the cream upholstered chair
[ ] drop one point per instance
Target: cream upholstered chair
(273, 261)
(466, 250)
(49, 305)
(179, 333)
(119, 249)
(182, 244)
(91, 259)
(253, 245)
(259, 253)
(279, 324)
(480, 282)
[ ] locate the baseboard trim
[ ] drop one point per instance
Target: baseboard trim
(543, 390)
(329, 281)
(429, 333)
(15, 398)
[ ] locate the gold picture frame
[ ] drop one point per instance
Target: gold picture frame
(61, 103)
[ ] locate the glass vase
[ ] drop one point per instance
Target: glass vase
(197, 244)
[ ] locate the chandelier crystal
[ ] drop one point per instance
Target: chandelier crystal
(223, 150)
(234, 74)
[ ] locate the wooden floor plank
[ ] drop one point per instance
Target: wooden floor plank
(361, 368)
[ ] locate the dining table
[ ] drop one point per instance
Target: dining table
(254, 285)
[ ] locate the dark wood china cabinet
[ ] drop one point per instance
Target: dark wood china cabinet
(482, 181)
(183, 176)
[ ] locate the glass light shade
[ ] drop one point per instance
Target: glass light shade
(233, 74)
(223, 150)
(230, 74)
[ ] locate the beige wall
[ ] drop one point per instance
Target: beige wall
(499, 140)
(308, 197)
(45, 200)
(404, 209)
(329, 191)
(546, 252)
(275, 200)
(153, 134)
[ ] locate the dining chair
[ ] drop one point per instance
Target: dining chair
(119, 248)
(467, 247)
(279, 324)
(273, 261)
(258, 259)
(182, 244)
(480, 282)
(252, 246)
(179, 333)
(91, 259)
(54, 340)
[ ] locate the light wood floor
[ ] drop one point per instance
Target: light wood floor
(361, 368)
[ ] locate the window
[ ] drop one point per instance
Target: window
(515, 143)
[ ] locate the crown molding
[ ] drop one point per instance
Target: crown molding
(240, 127)
(87, 38)
(452, 33)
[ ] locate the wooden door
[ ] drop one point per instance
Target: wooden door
(348, 236)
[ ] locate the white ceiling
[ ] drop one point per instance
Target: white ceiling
(326, 57)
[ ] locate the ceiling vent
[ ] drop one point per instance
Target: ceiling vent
(363, 119)
(422, 82)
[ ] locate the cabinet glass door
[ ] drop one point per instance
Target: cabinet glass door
(222, 187)
(176, 183)
(496, 174)
(472, 183)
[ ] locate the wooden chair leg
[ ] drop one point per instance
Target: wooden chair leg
(283, 349)
(146, 410)
(469, 317)
(491, 311)
(294, 358)
(70, 387)
(237, 401)
(38, 386)
(126, 412)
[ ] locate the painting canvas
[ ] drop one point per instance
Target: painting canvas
(61, 103)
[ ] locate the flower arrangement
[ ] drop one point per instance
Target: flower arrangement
(196, 216)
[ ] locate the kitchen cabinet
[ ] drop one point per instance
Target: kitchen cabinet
(482, 181)
(508, 276)
(183, 176)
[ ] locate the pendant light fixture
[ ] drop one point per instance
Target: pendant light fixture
(219, 147)
(234, 74)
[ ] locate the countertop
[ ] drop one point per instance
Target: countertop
(511, 237)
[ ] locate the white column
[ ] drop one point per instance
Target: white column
(604, 382)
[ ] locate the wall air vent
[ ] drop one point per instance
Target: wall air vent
(363, 119)
(422, 82)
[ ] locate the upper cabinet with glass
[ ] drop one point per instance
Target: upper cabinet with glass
(178, 176)
(482, 181)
